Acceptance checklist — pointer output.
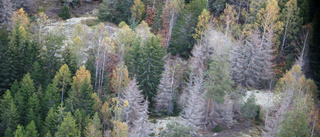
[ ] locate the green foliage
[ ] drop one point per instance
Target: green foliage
(50, 124)
(218, 128)
(219, 82)
(31, 130)
(182, 40)
(146, 62)
(295, 122)
(81, 120)
(249, 109)
(9, 114)
(115, 11)
(20, 132)
(8, 133)
(68, 127)
(64, 13)
(175, 129)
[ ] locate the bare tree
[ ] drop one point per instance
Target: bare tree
(136, 114)
(195, 109)
(6, 12)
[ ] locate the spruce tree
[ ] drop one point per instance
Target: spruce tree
(50, 124)
(5, 79)
(51, 97)
(64, 13)
(115, 11)
(9, 113)
(8, 133)
(37, 74)
(147, 65)
(81, 120)
(68, 127)
(20, 132)
(182, 40)
(6, 12)
(31, 130)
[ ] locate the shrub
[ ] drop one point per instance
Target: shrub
(64, 13)
(175, 129)
(218, 128)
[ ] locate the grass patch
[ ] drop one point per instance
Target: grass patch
(90, 22)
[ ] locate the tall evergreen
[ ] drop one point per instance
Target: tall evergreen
(5, 79)
(31, 130)
(68, 127)
(50, 124)
(20, 132)
(9, 113)
(182, 40)
(146, 62)
(115, 11)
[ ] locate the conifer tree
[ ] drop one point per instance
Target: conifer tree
(182, 40)
(81, 120)
(292, 23)
(64, 13)
(68, 127)
(137, 10)
(37, 74)
(219, 82)
(93, 128)
(115, 11)
(48, 134)
(202, 24)
(6, 12)
(8, 133)
(164, 98)
(20, 132)
(9, 113)
(63, 78)
(136, 113)
(147, 65)
(51, 97)
(50, 124)
(5, 76)
(194, 110)
(31, 130)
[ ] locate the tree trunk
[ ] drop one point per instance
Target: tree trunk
(170, 29)
(284, 39)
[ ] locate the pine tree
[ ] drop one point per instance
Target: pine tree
(20, 132)
(136, 114)
(64, 13)
(31, 130)
(219, 82)
(50, 124)
(68, 127)
(9, 113)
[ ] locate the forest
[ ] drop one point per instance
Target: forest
(167, 68)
